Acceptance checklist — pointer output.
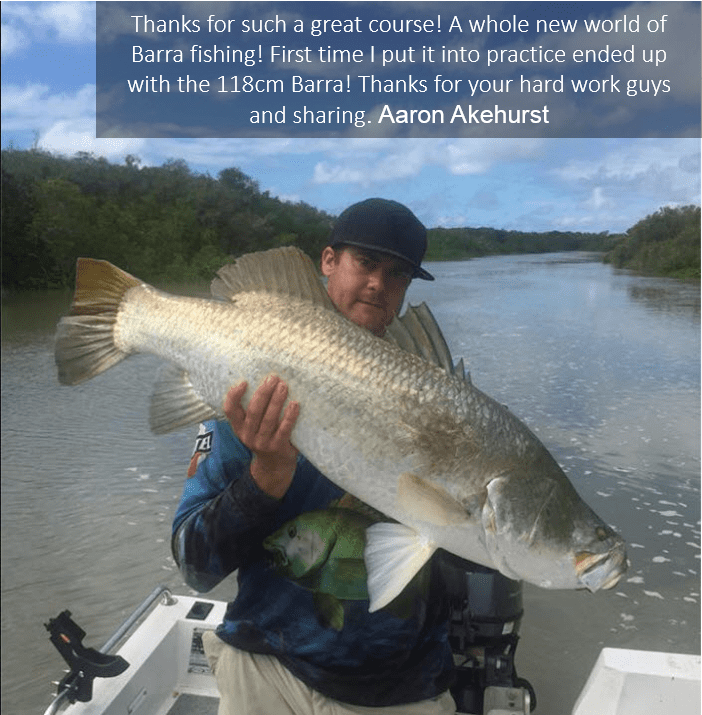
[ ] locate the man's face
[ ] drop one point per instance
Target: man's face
(368, 287)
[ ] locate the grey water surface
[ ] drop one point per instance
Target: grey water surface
(603, 365)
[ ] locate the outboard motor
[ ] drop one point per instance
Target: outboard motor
(485, 612)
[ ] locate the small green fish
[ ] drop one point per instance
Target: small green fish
(323, 552)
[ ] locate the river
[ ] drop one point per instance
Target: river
(603, 365)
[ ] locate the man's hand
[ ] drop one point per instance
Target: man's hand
(261, 428)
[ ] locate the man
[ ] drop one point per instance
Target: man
(294, 641)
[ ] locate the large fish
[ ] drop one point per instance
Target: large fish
(398, 427)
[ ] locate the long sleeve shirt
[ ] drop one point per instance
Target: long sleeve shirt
(301, 581)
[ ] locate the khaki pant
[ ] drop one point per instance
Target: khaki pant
(254, 684)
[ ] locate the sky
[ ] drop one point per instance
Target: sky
(538, 184)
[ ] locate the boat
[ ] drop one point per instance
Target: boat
(161, 669)
(167, 670)
(629, 682)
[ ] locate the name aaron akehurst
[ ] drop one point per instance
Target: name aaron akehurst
(464, 115)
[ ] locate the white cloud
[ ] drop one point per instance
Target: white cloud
(13, 40)
(34, 107)
(17, 12)
(327, 173)
(403, 158)
(72, 22)
(367, 162)
(597, 200)
(291, 198)
(70, 137)
(662, 167)
(478, 155)
(63, 122)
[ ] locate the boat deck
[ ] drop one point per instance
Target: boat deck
(169, 673)
(188, 704)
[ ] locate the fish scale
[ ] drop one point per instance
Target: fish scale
(397, 427)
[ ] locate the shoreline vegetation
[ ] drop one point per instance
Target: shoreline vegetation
(169, 223)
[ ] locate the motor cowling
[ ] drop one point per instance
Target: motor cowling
(484, 615)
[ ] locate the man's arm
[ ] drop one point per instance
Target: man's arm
(229, 503)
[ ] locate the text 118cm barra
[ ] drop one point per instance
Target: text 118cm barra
(249, 84)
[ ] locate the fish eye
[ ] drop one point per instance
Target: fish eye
(292, 531)
(601, 533)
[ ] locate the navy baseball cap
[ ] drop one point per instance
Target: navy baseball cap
(385, 226)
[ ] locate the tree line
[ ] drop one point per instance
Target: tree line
(158, 223)
(666, 243)
(169, 223)
(447, 244)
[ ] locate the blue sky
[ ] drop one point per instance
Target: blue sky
(48, 99)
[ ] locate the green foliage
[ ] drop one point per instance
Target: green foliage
(24, 258)
(456, 243)
(160, 223)
(666, 243)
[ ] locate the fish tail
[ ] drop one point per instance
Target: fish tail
(85, 344)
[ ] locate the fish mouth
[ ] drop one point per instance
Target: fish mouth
(601, 570)
(277, 555)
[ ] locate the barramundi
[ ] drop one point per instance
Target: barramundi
(390, 420)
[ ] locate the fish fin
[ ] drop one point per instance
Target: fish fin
(429, 502)
(394, 553)
(418, 332)
(330, 611)
(459, 370)
(85, 343)
(175, 402)
(398, 334)
(286, 270)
